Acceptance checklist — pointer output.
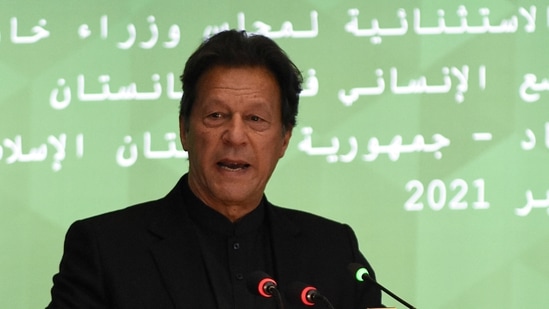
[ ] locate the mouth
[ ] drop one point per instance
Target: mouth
(233, 165)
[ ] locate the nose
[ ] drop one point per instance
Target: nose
(235, 131)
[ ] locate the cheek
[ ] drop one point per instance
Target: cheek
(197, 139)
(205, 142)
(273, 151)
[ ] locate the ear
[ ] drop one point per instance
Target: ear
(183, 134)
(286, 141)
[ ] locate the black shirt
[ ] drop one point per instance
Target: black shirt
(231, 251)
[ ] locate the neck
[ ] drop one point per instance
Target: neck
(232, 210)
(233, 213)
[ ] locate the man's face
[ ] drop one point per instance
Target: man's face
(235, 136)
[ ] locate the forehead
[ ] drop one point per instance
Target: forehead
(237, 79)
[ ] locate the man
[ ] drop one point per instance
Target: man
(196, 247)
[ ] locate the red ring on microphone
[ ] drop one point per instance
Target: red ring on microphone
(261, 286)
(304, 293)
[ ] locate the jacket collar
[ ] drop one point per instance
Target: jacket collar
(177, 254)
(179, 258)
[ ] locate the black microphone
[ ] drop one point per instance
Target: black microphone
(259, 283)
(361, 273)
(306, 294)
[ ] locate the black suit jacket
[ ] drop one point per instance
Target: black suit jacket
(147, 256)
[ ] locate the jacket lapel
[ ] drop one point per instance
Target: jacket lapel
(180, 263)
(179, 259)
(286, 247)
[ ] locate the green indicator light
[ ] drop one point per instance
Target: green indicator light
(360, 273)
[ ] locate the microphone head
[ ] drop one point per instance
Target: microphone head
(259, 283)
(359, 272)
(299, 292)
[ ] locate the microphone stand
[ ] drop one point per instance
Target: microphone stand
(393, 295)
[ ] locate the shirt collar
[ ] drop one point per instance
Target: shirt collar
(209, 219)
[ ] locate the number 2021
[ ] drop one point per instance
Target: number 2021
(438, 194)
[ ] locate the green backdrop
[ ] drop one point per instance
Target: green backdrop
(424, 125)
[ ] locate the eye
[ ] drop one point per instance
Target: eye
(214, 119)
(215, 115)
(258, 123)
(255, 118)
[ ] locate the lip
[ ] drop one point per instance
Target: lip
(233, 165)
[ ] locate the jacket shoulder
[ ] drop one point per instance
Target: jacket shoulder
(305, 219)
